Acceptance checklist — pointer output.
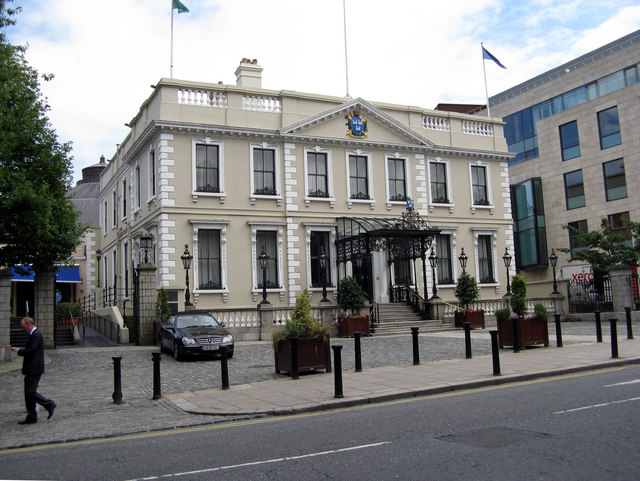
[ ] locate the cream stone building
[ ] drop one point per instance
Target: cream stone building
(574, 133)
(231, 171)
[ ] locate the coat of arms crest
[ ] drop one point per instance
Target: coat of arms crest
(356, 125)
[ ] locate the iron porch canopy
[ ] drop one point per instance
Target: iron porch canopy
(406, 237)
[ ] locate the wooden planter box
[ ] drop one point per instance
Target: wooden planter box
(476, 318)
(312, 354)
(349, 325)
(531, 332)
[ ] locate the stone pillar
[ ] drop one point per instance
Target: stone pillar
(265, 314)
(44, 312)
(5, 315)
(147, 296)
(621, 287)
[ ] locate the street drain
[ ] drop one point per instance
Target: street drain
(493, 438)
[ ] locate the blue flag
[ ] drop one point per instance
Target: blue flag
(487, 55)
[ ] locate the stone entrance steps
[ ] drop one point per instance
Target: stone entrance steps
(399, 318)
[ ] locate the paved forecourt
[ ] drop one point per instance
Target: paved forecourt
(80, 380)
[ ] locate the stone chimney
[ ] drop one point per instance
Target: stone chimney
(249, 74)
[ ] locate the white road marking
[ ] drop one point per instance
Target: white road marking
(598, 405)
(635, 381)
(257, 463)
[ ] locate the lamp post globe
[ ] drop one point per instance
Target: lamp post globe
(463, 258)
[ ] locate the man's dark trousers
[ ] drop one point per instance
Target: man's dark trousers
(32, 396)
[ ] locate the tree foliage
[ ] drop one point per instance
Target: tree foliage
(603, 248)
(350, 295)
(163, 310)
(518, 295)
(38, 224)
(467, 289)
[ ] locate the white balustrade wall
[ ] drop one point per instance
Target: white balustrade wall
(490, 306)
(260, 103)
(477, 128)
(235, 318)
(436, 123)
(202, 98)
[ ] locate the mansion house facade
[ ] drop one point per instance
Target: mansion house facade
(237, 171)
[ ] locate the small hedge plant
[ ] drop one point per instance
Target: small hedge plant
(302, 324)
(518, 295)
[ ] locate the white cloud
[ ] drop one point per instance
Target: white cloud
(106, 54)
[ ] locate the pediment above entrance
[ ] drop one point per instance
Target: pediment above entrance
(355, 120)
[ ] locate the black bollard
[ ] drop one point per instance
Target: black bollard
(598, 327)
(157, 389)
(337, 371)
(495, 352)
(558, 331)
(516, 335)
(614, 338)
(117, 380)
(627, 313)
(224, 367)
(416, 347)
(467, 339)
(294, 358)
(356, 341)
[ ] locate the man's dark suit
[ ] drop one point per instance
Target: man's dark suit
(33, 368)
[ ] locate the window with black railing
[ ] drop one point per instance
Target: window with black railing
(485, 259)
(264, 172)
(317, 176)
(397, 181)
(209, 265)
(438, 181)
(266, 240)
(208, 168)
(358, 177)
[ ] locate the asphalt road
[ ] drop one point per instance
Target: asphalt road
(583, 426)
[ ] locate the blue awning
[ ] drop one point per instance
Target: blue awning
(67, 274)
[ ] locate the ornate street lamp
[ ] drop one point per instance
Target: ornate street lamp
(322, 258)
(553, 258)
(186, 263)
(463, 260)
(146, 243)
(98, 259)
(433, 260)
(264, 258)
(507, 262)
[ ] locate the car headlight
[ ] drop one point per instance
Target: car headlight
(187, 340)
(227, 339)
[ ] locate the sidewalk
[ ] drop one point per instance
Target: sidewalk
(315, 391)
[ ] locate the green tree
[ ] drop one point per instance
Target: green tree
(518, 295)
(163, 310)
(350, 295)
(467, 289)
(38, 223)
(603, 249)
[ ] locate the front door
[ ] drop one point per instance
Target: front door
(362, 274)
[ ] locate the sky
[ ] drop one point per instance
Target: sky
(106, 54)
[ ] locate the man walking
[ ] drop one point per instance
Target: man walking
(33, 368)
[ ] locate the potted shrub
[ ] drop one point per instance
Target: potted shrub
(467, 291)
(68, 313)
(532, 328)
(351, 299)
(314, 350)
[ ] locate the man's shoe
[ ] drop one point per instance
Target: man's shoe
(51, 409)
(28, 420)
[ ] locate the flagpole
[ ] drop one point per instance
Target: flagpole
(171, 59)
(486, 89)
(346, 61)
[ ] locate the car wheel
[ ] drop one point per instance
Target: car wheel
(177, 355)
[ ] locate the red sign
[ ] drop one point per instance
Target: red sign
(582, 277)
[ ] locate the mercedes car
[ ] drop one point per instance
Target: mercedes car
(194, 333)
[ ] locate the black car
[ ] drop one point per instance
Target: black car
(194, 332)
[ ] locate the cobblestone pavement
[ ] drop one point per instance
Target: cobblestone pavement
(80, 380)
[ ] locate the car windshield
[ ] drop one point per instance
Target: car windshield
(192, 320)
